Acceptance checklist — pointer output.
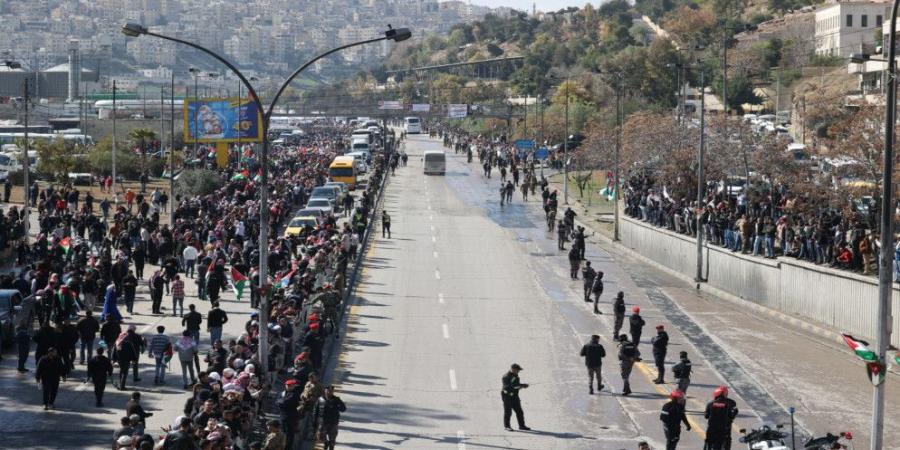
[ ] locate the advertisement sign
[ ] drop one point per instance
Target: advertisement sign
(421, 107)
(221, 120)
(457, 111)
(524, 144)
(542, 153)
(390, 104)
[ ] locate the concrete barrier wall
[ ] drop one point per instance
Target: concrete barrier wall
(839, 299)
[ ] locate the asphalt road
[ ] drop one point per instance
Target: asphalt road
(463, 289)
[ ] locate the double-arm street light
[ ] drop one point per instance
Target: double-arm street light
(392, 34)
(26, 98)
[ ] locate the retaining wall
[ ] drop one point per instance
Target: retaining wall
(838, 299)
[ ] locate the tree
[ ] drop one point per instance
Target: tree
(140, 137)
(56, 159)
(100, 159)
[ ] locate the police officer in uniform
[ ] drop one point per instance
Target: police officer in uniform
(587, 275)
(660, 344)
(720, 414)
(593, 354)
(628, 355)
(672, 416)
(636, 325)
(619, 312)
(597, 290)
(510, 396)
(682, 372)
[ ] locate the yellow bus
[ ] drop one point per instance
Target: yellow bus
(343, 169)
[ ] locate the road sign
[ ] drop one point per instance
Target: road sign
(525, 144)
(542, 153)
(421, 107)
(457, 111)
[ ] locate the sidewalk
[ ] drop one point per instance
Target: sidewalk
(798, 364)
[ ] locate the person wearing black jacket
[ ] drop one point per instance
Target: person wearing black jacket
(99, 369)
(129, 288)
(45, 338)
(597, 290)
(192, 322)
(672, 416)
(49, 370)
(636, 325)
(593, 354)
(660, 344)
(215, 319)
(682, 372)
(510, 397)
(128, 354)
(628, 355)
(720, 414)
(87, 327)
(619, 313)
(587, 276)
(328, 411)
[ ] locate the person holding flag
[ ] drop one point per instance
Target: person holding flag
(238, 282)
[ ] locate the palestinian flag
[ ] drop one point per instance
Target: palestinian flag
(897, 359)
(609, 193)
(861, 348)
(66, 244)
(238, 282)
(876, 371)
(168, 353)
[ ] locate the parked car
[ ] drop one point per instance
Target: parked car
(14, 311)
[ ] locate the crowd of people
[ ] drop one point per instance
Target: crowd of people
(770, 226)
(87, 263)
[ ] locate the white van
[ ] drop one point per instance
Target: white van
(435, 162)
(360, 160)
(413, 125)
(360, 145)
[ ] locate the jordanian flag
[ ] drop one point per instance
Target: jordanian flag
(66, 244)
(861, 348)
(238, 281)
(609, 193)
(285, 281)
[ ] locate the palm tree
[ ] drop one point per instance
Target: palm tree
(140, 136)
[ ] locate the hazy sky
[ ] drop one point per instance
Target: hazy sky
(542, 5)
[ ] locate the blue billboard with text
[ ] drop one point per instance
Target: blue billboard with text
(222, 120)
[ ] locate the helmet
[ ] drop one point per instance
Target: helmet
(636, 309)
(676, 395)
(721, 391)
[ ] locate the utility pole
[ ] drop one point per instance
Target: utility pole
(566, 150)
(172, 152)
(25, 164)
(162, 120)
(619, 119)
(701, 183)
(115, 138)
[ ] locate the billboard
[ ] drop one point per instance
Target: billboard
(390, 104)
(457, 111)
(421, 107)
(221, 120)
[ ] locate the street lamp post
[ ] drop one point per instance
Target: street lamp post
(397, 35)
(26, 96)
(701, 182)
(195, 73)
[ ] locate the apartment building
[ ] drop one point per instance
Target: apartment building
(842, 28)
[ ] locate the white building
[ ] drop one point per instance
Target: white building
(842, 28)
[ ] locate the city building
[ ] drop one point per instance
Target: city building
(842, 28)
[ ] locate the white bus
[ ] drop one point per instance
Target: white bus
(413, 125)
(435, 162)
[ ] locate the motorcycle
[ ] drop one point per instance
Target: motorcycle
(764, 438)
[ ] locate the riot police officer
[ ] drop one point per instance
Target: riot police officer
(682, 372)
(510, 397)
(672, 416)
(660, 344)
(720, 414)
(628, 355)
(587, 275)
(593, 354)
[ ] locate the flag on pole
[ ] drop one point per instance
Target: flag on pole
(66, 244)
(861, 348)
(238, 281)
(609, 193)
(285, 281)
(876, 371)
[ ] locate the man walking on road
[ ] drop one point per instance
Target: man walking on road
(597, 290)
(328, 410)
(660, 344)
(636, 325)
(628, 355)
(187, 353)
(587, 275)
(682, 372)
(159, 343)
(593, 354)
(619, 313)
(49, 370)
(574, 262)
(215, 319)
(99, 370)
(385, 224)
(510, 397)
(87, 326)
(720, 414)
(177, 296)
(672, 416)
(288, 404)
